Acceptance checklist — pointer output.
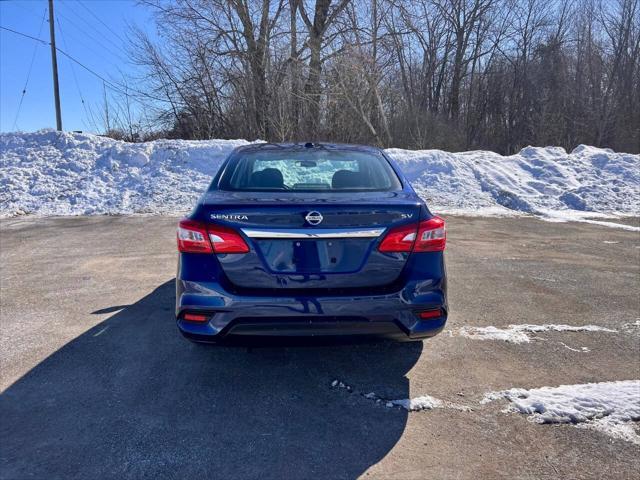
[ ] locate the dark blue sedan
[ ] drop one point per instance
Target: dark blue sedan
(303, 240)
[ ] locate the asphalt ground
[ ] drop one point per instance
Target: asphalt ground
(97, 383)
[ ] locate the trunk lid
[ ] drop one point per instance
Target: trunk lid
(310, 240)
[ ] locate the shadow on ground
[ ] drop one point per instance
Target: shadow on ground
(132, 399)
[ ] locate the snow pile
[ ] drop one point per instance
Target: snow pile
(80, 174)
(536, 180)
(609, 407)
(48, 173)
(520, 333)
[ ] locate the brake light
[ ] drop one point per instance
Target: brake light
(192, 237)
(426, 236)
(399, 239)
(432, 236)
(196, 237)
(226, 240)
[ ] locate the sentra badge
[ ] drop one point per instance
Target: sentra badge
(221, 216)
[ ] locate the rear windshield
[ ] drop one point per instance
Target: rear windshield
(309, 170)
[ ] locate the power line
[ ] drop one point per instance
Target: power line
(96, 40)
(117, 87)
(100, 20)
(73, 71)
(25, 35)
(113, 85)
(82, 39)
(33, 57)
(92, 26)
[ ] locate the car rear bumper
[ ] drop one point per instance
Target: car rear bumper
(390, 315)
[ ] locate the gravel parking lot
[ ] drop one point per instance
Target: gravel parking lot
(97, 382)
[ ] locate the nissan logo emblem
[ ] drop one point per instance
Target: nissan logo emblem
(314, 218)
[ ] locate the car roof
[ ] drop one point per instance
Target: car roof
(292, 147)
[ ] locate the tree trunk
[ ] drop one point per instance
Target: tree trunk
(312, 88)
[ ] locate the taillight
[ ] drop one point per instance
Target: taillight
(399, 239)
(432, 236)
(226, 240)
(426, 236)
(195, 237)
(192, 237)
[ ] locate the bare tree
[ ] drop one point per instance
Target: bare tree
(323, 17)
(452, 74)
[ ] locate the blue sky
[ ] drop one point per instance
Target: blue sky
(98, 45)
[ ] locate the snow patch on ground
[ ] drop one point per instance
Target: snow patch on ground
(632, 327)
(520, 333)
(612, 408)
(580, 349)
(424, 402)
(609, 407)
(563, 216)
(50, 173)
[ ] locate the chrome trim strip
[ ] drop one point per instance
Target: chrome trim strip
(314, 233)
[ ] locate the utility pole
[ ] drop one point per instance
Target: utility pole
(54, 64)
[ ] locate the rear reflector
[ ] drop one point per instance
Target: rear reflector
(426, 236)
(196, 237)
(195, 317)
(430, 314)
